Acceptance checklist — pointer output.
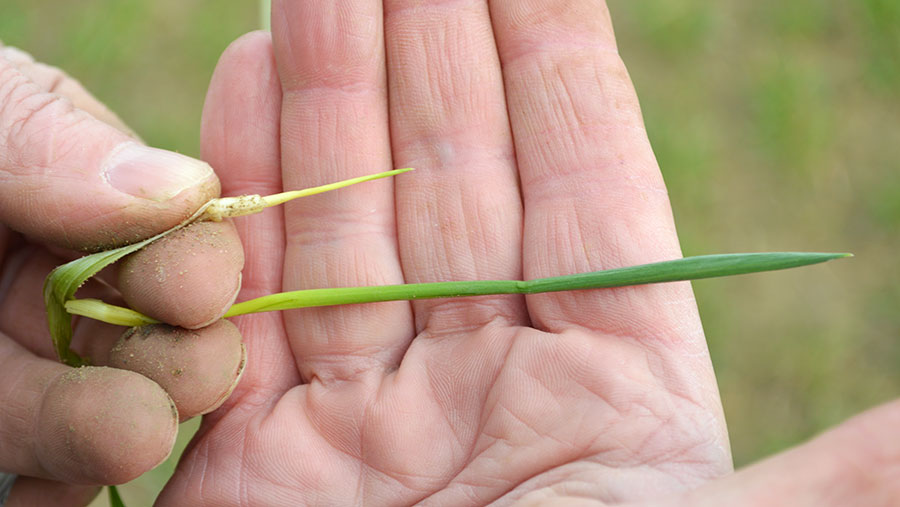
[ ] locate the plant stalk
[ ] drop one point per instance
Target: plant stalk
(690, 268)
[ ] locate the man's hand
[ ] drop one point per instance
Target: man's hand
(73, 177)
(531, 161)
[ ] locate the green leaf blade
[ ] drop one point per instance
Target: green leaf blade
(688, 268)
(60, 286)
(115, 499)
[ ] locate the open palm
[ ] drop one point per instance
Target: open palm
(531, 161)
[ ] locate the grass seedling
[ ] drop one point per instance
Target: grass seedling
(61, 284)
(690, 268)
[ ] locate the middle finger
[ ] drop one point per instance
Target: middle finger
(460, 215)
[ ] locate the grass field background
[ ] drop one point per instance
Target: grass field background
(775, 124)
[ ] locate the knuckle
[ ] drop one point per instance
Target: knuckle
(49, 78)
(28, 116)
(15, 55)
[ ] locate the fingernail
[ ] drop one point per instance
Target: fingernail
(151, 173)
(237, 380)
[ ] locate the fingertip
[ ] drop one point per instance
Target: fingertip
(240, 137)
(245, 49)
(34, 491)
(100, 425)
(189, 278)
(198, 368)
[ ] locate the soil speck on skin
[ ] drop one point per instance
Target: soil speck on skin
(156, 278)
(160, 273)
(76, 375)
(177, 372)
(129, 333)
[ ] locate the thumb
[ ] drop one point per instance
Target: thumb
(73, 180)
(856, 463)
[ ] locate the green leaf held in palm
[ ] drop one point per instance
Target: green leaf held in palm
(690, 268)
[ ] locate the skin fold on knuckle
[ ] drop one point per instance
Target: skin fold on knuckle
(54, 80)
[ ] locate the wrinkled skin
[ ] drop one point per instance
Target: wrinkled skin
(66, 183)
(531, 161)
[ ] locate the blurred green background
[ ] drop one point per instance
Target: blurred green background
(775, 124)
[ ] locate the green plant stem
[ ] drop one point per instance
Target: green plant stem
(283, 197)
(115, 499)
(690, 268)
(231, 207)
